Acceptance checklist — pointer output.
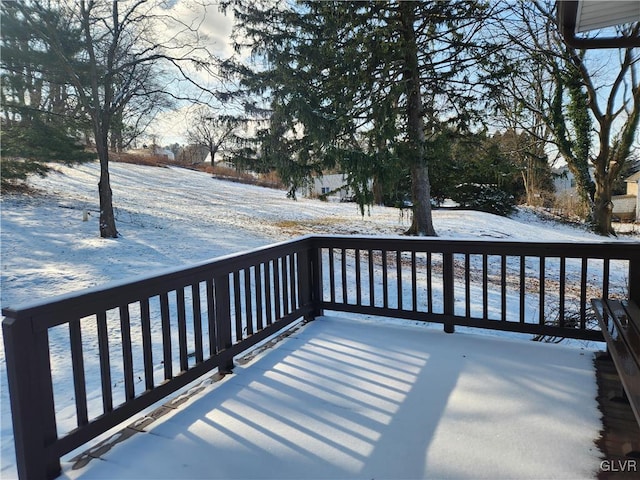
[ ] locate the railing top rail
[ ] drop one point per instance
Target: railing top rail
(597, 250)
(114, 294)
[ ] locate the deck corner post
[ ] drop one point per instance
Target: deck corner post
(448, 291)
(306, 283)
(314, 280)
(31, 428)
(223, 322)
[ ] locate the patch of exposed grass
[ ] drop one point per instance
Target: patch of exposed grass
(287, 224)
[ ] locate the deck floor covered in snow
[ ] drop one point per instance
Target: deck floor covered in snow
(346, 398)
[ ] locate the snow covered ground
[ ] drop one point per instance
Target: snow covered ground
(342, 398)
(170, 217)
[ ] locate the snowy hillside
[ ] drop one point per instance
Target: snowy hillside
(170, 217)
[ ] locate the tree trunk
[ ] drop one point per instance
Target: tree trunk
(377, 192)
(420, 188)
(421, 194)
(107, 218)
(602, 212)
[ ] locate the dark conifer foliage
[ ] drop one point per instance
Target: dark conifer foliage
(41, 120)
(361, 87)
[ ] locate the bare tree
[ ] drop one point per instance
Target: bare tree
(213, 131)
(121, 58)
(588, 102)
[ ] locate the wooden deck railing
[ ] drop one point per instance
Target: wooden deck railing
(538, 288)
(137, 342)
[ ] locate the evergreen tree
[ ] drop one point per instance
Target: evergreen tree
(359, 86)
(40, 119)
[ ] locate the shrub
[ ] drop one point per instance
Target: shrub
(486, 198)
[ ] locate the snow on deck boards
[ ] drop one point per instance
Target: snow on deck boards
(344, 398)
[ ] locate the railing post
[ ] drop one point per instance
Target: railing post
(315, 263)
(223, 321)
(306, 281)
(448, 291)
(32, 409)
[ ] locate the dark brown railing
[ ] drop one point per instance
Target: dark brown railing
(137, 342)
(538, 288)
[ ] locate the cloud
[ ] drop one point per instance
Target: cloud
(186, 22)
(213, 27)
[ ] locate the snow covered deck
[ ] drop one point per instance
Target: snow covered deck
(346, 398)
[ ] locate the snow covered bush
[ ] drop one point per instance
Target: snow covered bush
(486, 198)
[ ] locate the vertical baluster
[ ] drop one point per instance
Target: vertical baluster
(414, 283)
(523, 288)
(485, 286)
(197, 322)
(285, 285)
(247, 300)
(211, 318)
(257, 272)
(293, 277)
(105, 364)
(267, 292)
(343, 265)
(399, 278)
(237, 307)
(467, 285)
(385, 278)
(448, 291)
(358, 278)
(318, 282)
(503, 288)
(77, 365)
(372, 287)
(562, 290)
(276, 288)
(633, 270)
(332, 280)
(605, 278)
(182, 330)
(542, 289)
(583, 293)
(147, 352)
(166, 336)
(127, 356)
(429, 283)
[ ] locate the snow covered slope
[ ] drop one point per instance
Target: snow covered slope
(171, 216)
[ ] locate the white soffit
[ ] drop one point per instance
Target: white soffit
(593, 14)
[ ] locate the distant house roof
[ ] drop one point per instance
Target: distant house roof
(633, 178)
(580, 16)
